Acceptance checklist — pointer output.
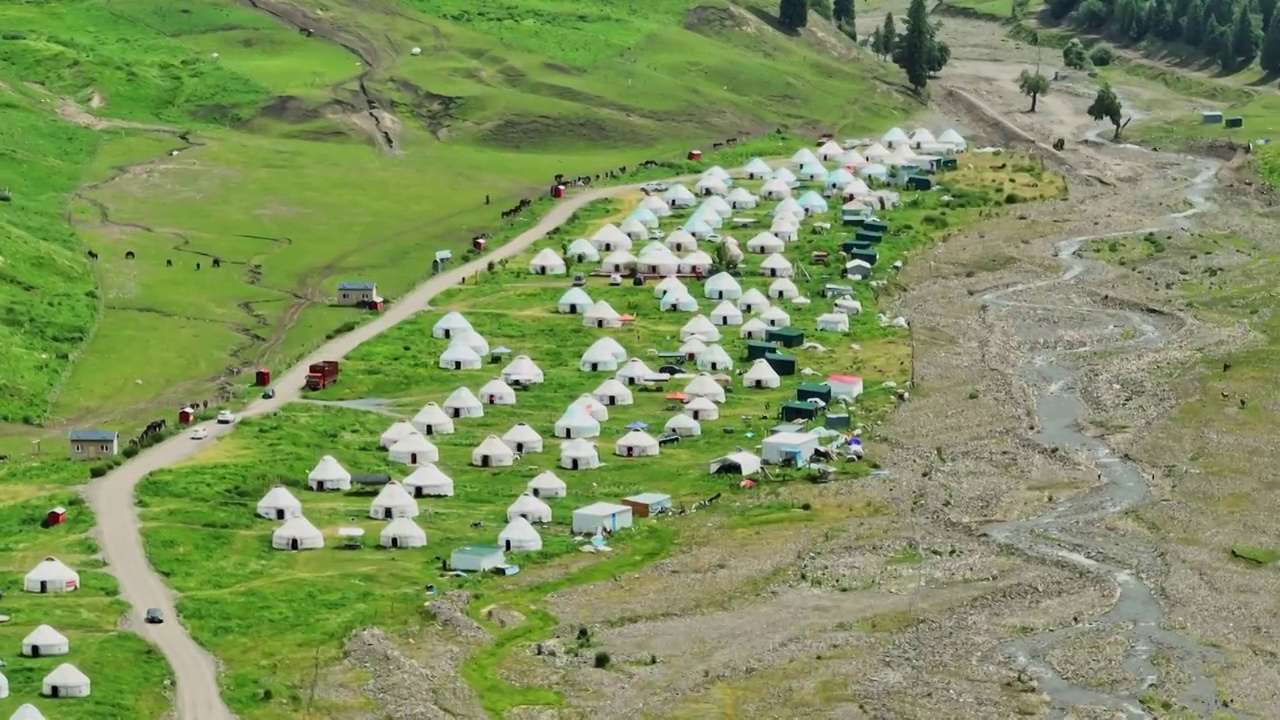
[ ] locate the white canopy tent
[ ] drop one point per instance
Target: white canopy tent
(428, 481)
(659, 262)
(519, 536)
(462, 403)
(692, 347)
(297, 534)
(492, 452)
(328, 474)
(393, 501)
(279, 504)
(954, 139)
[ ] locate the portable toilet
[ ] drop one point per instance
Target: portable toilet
(876, 225)
(1211, 117)
(262, 378)
(186, 416)
(557, 191)
(1234, 123)
(695, 155)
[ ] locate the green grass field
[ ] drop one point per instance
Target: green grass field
(130, 679)
(201, 531)
(290, 193)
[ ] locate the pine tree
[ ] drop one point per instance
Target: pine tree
(793, 14)
(1267, 10)
(917, 45)
(1158, 19)
(1222, 10)
(1244, 41)
(1193, 24)
(842, 12)
(1270, 59)
(877, 42)
(888, 37)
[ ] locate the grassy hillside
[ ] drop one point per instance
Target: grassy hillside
(283, 178)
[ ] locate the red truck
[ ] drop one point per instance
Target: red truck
(322, 374)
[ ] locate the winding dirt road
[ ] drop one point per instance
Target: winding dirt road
(111, 497)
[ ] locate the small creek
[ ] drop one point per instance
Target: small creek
(1073, 531)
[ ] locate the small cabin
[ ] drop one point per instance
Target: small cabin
(361, 294)
(93, 444)
(56, 516)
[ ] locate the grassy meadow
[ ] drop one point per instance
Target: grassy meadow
(202, 533)
(129, 677)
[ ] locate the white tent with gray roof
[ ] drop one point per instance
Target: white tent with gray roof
(462, 403)
(432, 420)
(833, 322)
(328, 474)
(428, 481)
(44, 641)
(398, 430)
(393, 501)
(402, 533)
(450, 325)
(66, 681)
(279, 504)
(297, 534)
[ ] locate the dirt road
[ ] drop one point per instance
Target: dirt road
(195, 669)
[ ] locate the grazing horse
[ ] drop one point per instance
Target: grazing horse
(168, 262)
(92, 255)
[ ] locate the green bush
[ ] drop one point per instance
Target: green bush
(130, 451)
(1102, 55)
(98, 471)
(602, 659)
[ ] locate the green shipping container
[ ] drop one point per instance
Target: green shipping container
(798, 411)
(757, 349)
(781, 363)
(868, 236)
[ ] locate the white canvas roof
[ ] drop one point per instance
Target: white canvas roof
(653, 245)
(431, 479)
(683, 425)
(680, 300)
(702, 409)
(500, 392)
(715, 359)
(875, 153)
(893, 137)
(530, 508)
(459, 354)
(398, 430)
(785, 175)
(495, 450)
(741, 196)
(66, 675)
(668, 284)
(752, 300)
(803, 156)
(698, 228)
(583, 248)
(722, 285)
(471, 339)
(857, 186)
(522, 368)
(692, 346)
(298, 529)
(716, 171)
(756, 166)
(44, 636)
(776, 261)
(776, 317)
(707, 215)
(413, 449)
(615, 390)
(677, 192)
(463, 398)
(775, 189)
(610, 235)
(715, 204)
(588, 404)
(654, 204)
(833, 322)
(548, 261)
(598, 356)
(519, 536)
(547, 481)
(578, 424)
(27, 711)
(523, 435)
(279, 498)
(696, 261)
(329, 470)
(578, 448)
(644, 216)
(726, 313)
(765, 242)
(634, 229)
(761, 374)
(813, 202)
(637, 440)
(951, 137)
(679, 238)
(634, 369)
(452, 322)
(874, 170)
(752, 327)
(922, 135)
(703, 385)
(402, 532)
(574, 297)
(432, 416)
(744, 462)
(783, 288)
(830, 150)
(699, 326)
(788, 206)
(813, 171)
(618, 259)
(839, 178)
(711, 184)
(662, 262)
(393, 500)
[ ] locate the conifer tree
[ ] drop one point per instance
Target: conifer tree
(917, 46)
(843, 12)
(1244, 41)
(1270, 59)
(1193, 30)
(793, 14)
(888, 37)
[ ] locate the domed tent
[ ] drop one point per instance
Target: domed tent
(497, 392)
(471, 339)
(397, 431)
(776, 265)
(756, 169)
(876, 153)
(702, 409)
(714, 204)
(722, 286)
(492, 452)
(833, 322)
(678, 301)
(27, 711)
(680, 241)
(895, 137)
(402, 533)
(44, 641)
(546, 485)
(581, 250)
(634, 372)
(753, 301)
(717, 171)
(699, 228)
(696, 263)
(547, 262)
(328, 474)
(787, 177)
(428, 481)
(297, 534)
(765, 243)
(432, 420)
(813, 172)
(839, 178)
(618, 261)
(587, 403)
(574, 301)
(726, 313)
(683, 425)
(761, 376)
(783, 289)
(656, 205)
(901, 155)
(459, 356)
(714, 359)
(786, 228)
(634, 229)
(874, 172)
(636, 443)
(922, 136)
(708, 216)
(776, 317)
(66, 681)
(597, 359)
(661, 262)
(393, 501)
(669, 284)
(954, 139)
(519, 536)
(644, 216)
(856, 187)
(710, 186)
(522, 369)
(448, 326)
(813, 203)
(529, 508)
(279, 504)
(609, 238)
(741, 199)
(788, 206)
(579, 454)
(679, 196)
(703, 385)
(692, 347)
(576, 424)
(523, 439)
(829, 151)
(414, 449)
(462, 403)
(699, 326)
(753, 329)
(803, 156)
(612, 392)
(775, 189)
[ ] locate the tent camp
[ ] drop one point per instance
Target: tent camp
(522, 439)
(803, 156)
(577, 424)
(51, 576)
(726, 313)
(522, 369)
(279, 504)
(656, 205)
(497, 392)
(714, 359)
(328, 474)
(766, 243)
(829, 151)
(519, 536)
(678, 301)
(634, 372)
(609, 238)
(459, 356)
(297, 534)
(44, 641)
(450, 325)
(741, 199)
(634, 229)
(547, 262)
(393, 501)
(776, 265)
(579, 454)
(428, 481)
(27, 711)
(696, 263)
(692, 347)
(756, 169)
(738, 463)
(680, 240)
(613, 392)
(397, 431)
(753, 329)
(430, 420)
(492, 452)
(702, 409)
(761, 376)
(703, 385)
(66, 681)
(636, 443)
(953, 138)
(683, 425)
(783, 289)
(402, 532)
(471, 339)
(546, 485)
(574, 301)
(658, 262)
(414, 449)
(700, 327)
(462, 403)
(679, 196)
(530, 508)
(581, 250)
(894, 137)
(753, 301)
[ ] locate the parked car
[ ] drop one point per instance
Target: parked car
(225, 417)
(268, 393)
(155, 616)
(199, 433)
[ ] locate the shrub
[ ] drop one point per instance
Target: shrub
(602, 659)
(1012, 199)
(130, 451)
(98, 471)
(1102, 55)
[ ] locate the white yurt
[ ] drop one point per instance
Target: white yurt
(717, 171)
(708, 217)
(710, 186)
(833, 322)
(813, 203)
(581, 250)
(279, 504)
(297, 534)
(66, 681)
(787, 177)
(459, 356)
(874, 172)
(432, 420)
(680, 240)
(776, 265)
(922, 136)
(765, 243)
(462, 403)
(703, 385)
(953, 138)
(471, 339)
(700, 327)
(634, 229)
(612, 392)
(328, 474)
(398, 430)
(669, 284)
(839, 178)
(702, 409)
(783, 289)
(692, 347)
(741, 199)
(756, 169)
(597, 359)
(522, 439)
(717, 205)
(813, 172)
(644, 216)
(789, 206)
(829, 151)
(579, 454)
(761, 376)
(714, 359)
(450, 325)
(634, 372)
(722, 286)
(44, 641)
(636, 443)
(803, 156)
(546, 485)
(414, 449)
(877, 153)
(698, 228)
(726, 313)
(785, 228)
(753, 301)
(519, 536)
(696, 263)
(851, 160)
(753, 329)
(492, 452)
(679, 196)
(848, 306)
(683, 425)
(775, 189)
(574, 301)
(577, 424)
(530, 508)
(402, 533)
(663, 262)
(27, 711)
(587, 403)
(547, 262)
(618, 261)
(393, 501)
(895, 137)
(522, 369)
(609, 238)
(901, 155)
(428, 481)
(776, 317)
(678, 301)
(497, 392)
(656, 205)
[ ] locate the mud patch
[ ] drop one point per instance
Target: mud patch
(533, 132)
(706, 19)
(291, 109)
(434, 111)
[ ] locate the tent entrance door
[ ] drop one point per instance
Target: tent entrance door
(279, 513)
(320, 485)
(293, 544)
(54, 691)
(413, 458)
(44, 586)
(507, 546)
(519, 447)
(35, 651)
(484, 461)
(386, 514)
(574, 462)
(395, 542)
